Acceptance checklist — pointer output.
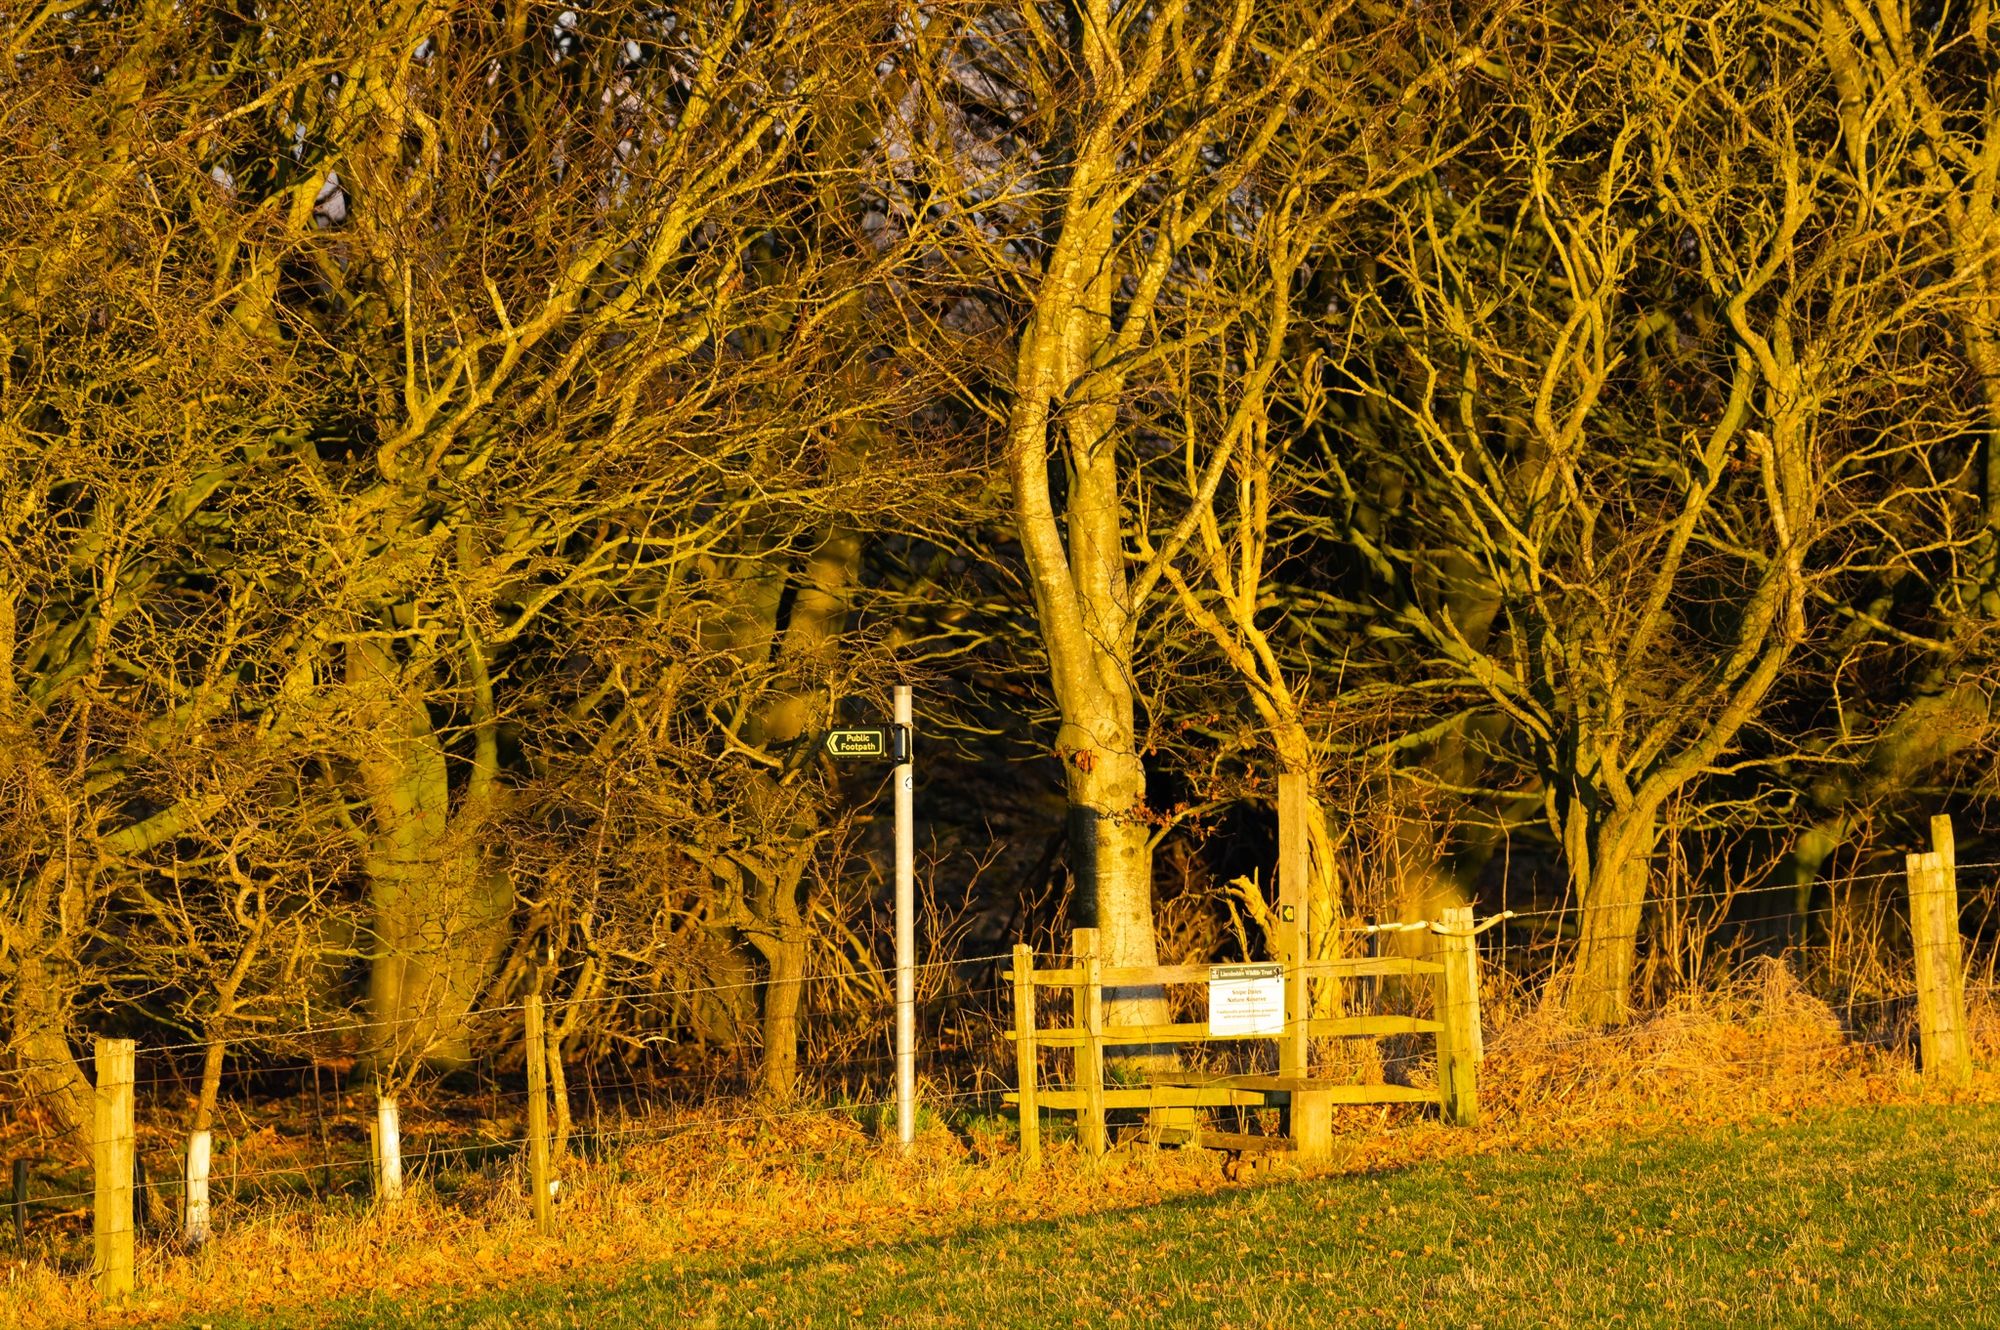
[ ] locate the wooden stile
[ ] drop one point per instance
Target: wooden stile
(536, 1047)
(1308, 1102)
(1090, 1052)
(1025, 1053)
(112, 1152)
(1947, 1054)
(1457, 989)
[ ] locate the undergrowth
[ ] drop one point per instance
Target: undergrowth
(763, 1181)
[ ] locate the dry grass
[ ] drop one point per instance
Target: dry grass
(1760, 1041)
(773, 1183)
(777, 1183)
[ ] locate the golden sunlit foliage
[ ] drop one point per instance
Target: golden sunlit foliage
(456, 460)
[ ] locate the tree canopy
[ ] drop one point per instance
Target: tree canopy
(456, 460)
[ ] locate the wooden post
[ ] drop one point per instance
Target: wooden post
(1025, 1063)
(1468, 961)
(194, 1190)
(1311, 1120)
(1294, 908)
(112, 1149)
(1458, 1011)
(388, 1133)
(19, 1205)
(1090, 1127)
(1373, 950)
(537, 1048)
(1947, 1055)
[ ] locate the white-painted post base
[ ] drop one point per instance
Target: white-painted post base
(196, 1189)
(388, 1149)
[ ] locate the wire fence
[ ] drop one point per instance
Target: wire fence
(294, 1119)
(269, 1099)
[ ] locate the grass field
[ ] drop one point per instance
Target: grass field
(1877, 1217)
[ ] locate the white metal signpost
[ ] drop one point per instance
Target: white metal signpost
(1246, 1000)
(875, 744)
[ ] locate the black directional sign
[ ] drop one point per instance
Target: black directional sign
(864, 745)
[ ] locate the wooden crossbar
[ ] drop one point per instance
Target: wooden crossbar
(1203, 1138)
(1225, 1096)
(1332, 1027)
(1145, 976)
(1269, 1083)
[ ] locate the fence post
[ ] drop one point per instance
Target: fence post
(112, 1150)
(1457, 992)
(537, 1049)
(1025, 1063)
(195, 1187)
(1090, 1053)
(1294, 907)
(388, 1133)
(1940, 971)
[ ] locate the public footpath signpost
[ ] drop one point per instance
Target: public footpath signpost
(875, 744)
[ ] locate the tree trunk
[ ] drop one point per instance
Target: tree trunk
(1111, 857)
(777, 930)
(438, 912)
(559, 1124)
(719, 1011)
(807, 648)
(784, 995)
(49, 1073)
(211, 1085)
(1816, 845)
(1614, 897)
(1081, 596)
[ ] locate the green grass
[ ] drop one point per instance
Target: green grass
(1879, 1217)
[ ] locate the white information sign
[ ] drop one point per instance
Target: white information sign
(1246, 1000)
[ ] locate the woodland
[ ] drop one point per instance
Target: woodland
(458, 460)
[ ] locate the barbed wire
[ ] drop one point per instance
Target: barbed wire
(654, 1131)
(551, 1003)
(376, 1027)
(1676, 898)
(932, 1053)
(970, 1044)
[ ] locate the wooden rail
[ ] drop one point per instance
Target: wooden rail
(1138, 976)
(1326, 1027)
(1308, 1101)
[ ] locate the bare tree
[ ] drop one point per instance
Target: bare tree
(1086, 169)
(1648, 493)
